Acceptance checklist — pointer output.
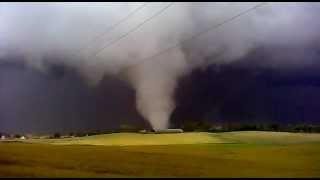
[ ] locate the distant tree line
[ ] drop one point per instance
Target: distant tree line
(122, 128)
(192, 126)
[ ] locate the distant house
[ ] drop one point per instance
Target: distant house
(29, 136)
(22, 137)
(143, 131)
(161, 131)
(219, 128)
(165, 131)
(3, 137)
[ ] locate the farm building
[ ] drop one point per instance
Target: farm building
(163, 131)
(28, 136)
(143, 131)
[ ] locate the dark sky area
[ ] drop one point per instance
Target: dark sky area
(249, 91)
(60, 100)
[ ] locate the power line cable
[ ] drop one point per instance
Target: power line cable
(112, 27)
(196, 35)
(134, 29)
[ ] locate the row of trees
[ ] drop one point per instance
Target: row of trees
(122, 128)
(190, 126)
(10, 135)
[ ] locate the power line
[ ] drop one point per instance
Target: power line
(110, 28)
(134, 29)
(196, 35)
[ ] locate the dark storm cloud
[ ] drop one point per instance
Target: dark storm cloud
(239, 93)
(60, 101)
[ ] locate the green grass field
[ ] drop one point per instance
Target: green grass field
(231, 154)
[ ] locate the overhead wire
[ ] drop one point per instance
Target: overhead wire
(134, 29)
(196, 35)
(112, 27)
